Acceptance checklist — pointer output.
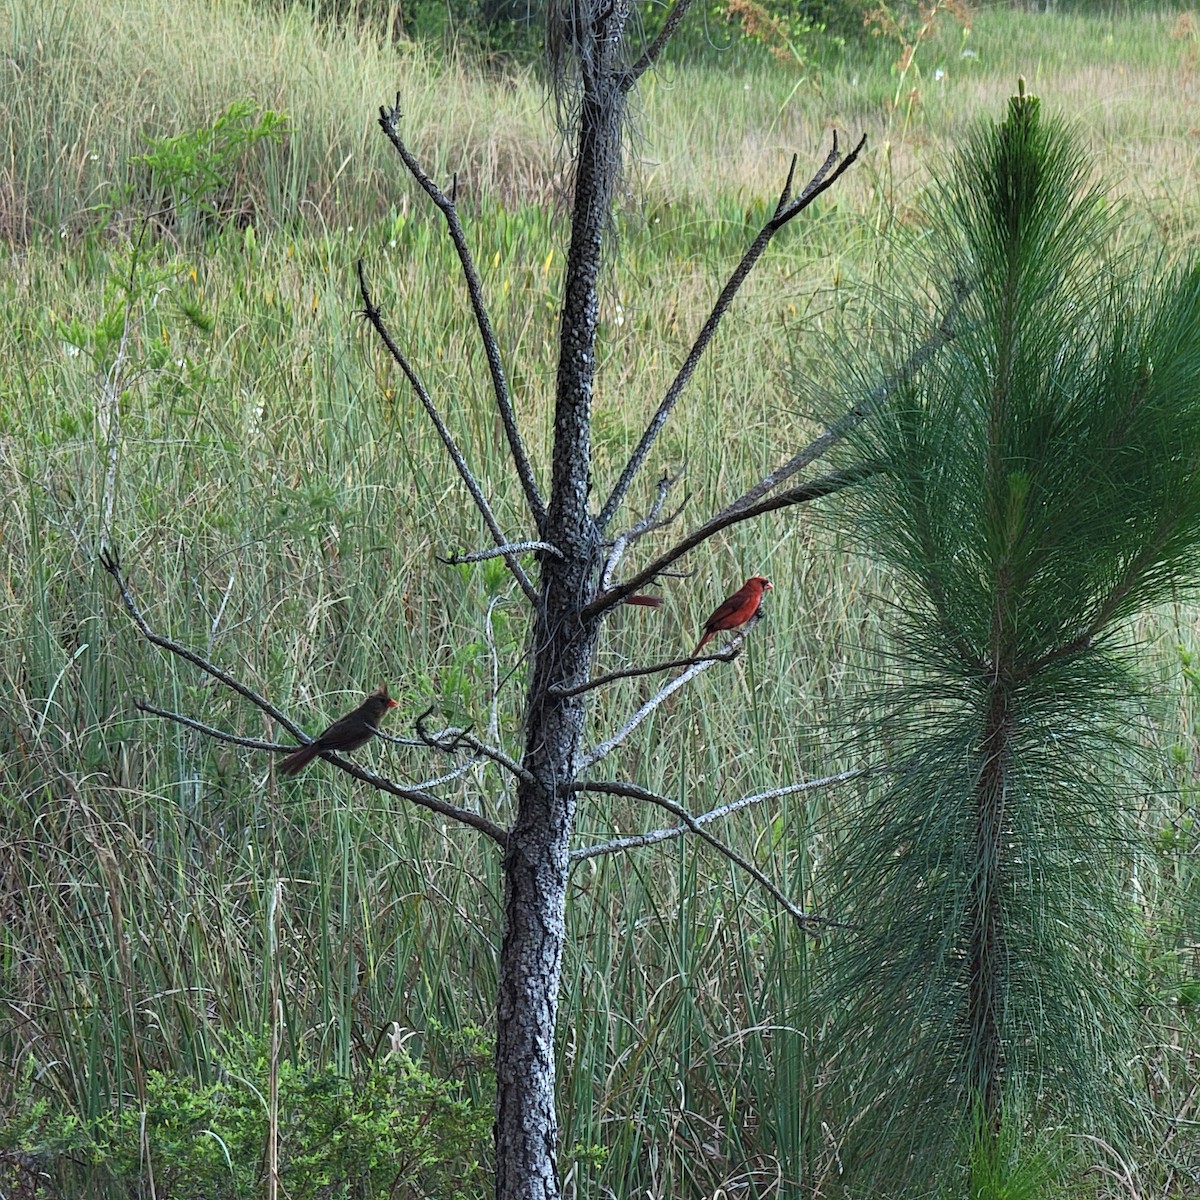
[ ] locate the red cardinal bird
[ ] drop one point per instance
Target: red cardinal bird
(737, 610)
(346, 733)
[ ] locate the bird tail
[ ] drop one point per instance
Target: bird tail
(704, 641)
(298, 759)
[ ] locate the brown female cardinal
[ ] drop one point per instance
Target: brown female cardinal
(737, 610)
(346, 733)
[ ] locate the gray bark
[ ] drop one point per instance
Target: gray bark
(537, 858)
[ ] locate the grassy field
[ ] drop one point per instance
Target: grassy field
(175, 920)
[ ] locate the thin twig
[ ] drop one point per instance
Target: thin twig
(786, 209)
(654, 836)
(826, 485)
(807, 921)
(210, 730)
(640, 529)
(457, 560)
(450, 776)
(697, 665)
(371, 312)
(446, 204)
(111, 564)
(451, 740)
(859, 412)
(634, 672)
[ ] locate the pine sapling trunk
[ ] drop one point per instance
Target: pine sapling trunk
(986, 960)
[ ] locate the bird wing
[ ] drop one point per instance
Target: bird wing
(730, 608)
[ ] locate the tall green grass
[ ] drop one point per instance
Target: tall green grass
(86, 85)
(279, 503)
(279, 506)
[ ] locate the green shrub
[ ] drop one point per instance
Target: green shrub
(392, 1130)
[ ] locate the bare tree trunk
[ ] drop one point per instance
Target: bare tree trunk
(537, 856)
(535, 880)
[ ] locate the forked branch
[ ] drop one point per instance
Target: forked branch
(650, 55)
(758, 500)
(417, 796)
(648, 524)
(788, 207)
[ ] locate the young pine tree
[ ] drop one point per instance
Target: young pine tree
(1039, 488)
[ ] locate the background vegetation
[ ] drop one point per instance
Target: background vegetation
(183, 194)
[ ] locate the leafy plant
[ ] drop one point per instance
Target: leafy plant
(392, 1129)
(196, 173)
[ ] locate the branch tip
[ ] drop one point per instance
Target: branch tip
(487, 336)
(784, 212)
(786, 194)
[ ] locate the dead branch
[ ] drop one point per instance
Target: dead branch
(802, 494)
(110, 562)
(451, 740)
(859, 412)
(635, 672)
(696, 665)
(223, 735)
(371, 312)
(830, 171)
(211, 731)
(651, 53)
(648, 524)
(755, 501)
(457, 560)
(807, 921)
(250, 743)
(450, 776)
(446, 204)
(651, 837)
